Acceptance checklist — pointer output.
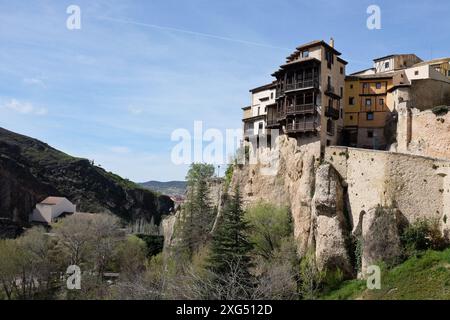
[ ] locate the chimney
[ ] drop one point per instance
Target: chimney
(332, 42)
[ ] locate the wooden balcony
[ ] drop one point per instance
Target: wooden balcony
(272, 123)
(307, 84)
(300, 109)
(301, 127)
(331, 112)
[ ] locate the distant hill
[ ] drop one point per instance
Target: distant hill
(171, 188)
(31, 170)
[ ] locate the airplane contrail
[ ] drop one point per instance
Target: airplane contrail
(195, 33)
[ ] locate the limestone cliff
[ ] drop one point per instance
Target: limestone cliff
(284, 175)
(350, 194)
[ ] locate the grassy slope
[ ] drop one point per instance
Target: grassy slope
(418, 278)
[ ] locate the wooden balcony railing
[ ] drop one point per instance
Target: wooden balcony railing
(302, 85)
(300, 109)
(331, 112)
(272, 123)
(330, 89)
(301, 127)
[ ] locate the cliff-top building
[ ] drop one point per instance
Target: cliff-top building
(309, 88)
(255, 115)
(372, 97)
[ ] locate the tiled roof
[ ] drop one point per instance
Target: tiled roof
(52, 200)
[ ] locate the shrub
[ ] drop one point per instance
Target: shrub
(422, 235)
(269, 224)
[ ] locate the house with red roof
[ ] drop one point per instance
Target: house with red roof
(51, 208)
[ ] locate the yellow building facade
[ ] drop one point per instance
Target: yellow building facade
(366, 110)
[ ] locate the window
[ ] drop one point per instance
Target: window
(378, 85)
(342, 70)
(330, 127)
(386, 65)
(370, 134)
(365, 85)
(342, 113)
(369, 116)
(260, 126)
(351, 101)
(351, 86)
(305, 54)
(382, 102)
(271, 95)
(416, 73)
(351, 117)
(258, 110)
(448, 73)
(368, 102)
(342, 92)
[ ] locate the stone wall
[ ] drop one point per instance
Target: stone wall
(427, 93)
(423, 133)
(419, 187)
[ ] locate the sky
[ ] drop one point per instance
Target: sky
(116, 89)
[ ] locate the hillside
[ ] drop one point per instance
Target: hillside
(31, 170)
(426, 276)
(171, 188)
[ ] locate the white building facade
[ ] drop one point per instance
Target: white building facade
(51, 208)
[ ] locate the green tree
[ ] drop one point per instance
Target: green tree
(198, 212)
(269, 225)
(230, 248)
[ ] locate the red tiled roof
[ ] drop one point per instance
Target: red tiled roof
(52, 200)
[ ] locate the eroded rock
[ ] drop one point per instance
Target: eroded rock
(331, 229)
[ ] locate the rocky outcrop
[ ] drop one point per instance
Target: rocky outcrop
(31, 170)
(331, 230)
(380, 237)
(284, 176)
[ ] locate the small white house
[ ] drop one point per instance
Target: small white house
(51, 208)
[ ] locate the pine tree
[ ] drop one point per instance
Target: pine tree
(198, 212)
(230, 246)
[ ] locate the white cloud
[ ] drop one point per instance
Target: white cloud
(23, 107)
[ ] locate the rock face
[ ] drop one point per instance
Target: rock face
(284, 176)
(331, 229)
(31, 170)
(380, 237)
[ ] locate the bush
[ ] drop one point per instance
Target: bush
(422, 235)
(269, 225)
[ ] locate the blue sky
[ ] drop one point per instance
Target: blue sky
(137, 70)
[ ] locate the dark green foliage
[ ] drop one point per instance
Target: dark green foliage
(198, 211)
(230, 245)
(422, 235)
(154, 244)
